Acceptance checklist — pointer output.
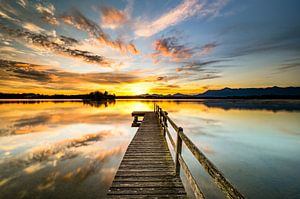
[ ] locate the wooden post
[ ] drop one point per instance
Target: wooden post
(159, 115)
(135, 121)
(164, 122)
(165, 119)
(178, 151)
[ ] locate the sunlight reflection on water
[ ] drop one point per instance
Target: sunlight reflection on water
(72, 149)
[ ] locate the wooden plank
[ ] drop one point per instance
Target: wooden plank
(148, 184)
(146, 190)
(147, 179)
(161, 196)
(147, 169)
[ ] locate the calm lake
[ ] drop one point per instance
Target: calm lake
(73, 150)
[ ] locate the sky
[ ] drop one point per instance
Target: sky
(132, 47)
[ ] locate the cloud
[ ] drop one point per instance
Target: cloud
(166, 78)
(55, 44)
(32, 27)
(197, 66)
(192, 71)
(207, 77)
(200, 70)
(13, 75)
(8, 10)
(5, 16)
(22, 3)
(170, 47)
(182, 12)
(206, 49)
(281, 40)
(164, 88)
(289, 64)
(79, 21)
(113, 18)
(48, 12)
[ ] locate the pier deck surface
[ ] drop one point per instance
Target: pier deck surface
(147, 169)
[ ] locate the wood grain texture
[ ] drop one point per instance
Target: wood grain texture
(147, 169)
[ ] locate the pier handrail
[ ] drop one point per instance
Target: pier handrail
(229, 190)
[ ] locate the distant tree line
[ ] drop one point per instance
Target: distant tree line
(93, 96)
(97, 95)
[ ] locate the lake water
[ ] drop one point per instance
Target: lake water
(73, 150)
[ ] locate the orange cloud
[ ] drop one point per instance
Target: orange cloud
(79, 21)
(169, 47)
(113, 18)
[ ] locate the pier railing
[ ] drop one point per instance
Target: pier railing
(228, 189)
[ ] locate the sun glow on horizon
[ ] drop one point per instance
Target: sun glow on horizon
(138, 88)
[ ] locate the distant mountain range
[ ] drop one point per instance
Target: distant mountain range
(269, 92)
(249, 92)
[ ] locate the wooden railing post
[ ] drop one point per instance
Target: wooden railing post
(165, 119)
(159, 117)
(178, 151)
(135, 119)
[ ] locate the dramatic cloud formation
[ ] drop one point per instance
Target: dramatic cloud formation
(180, 13)
(143, 46)
(49, 78)
(79, 21)
(55, 44)
(113, 18)
(170, 47)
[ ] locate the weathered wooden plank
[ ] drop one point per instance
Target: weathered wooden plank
(145, 173)
(133, 166)
(140, 157)
(148, 184)
(147, 179)
(147, 161)
(147, 169)
(161, 196)
(146, 190)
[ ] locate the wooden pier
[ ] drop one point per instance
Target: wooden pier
(148, 170)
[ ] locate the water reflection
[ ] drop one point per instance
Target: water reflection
(49, 148)
(73, 149)
(271, 105)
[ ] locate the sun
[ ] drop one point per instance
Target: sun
(138, 89)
